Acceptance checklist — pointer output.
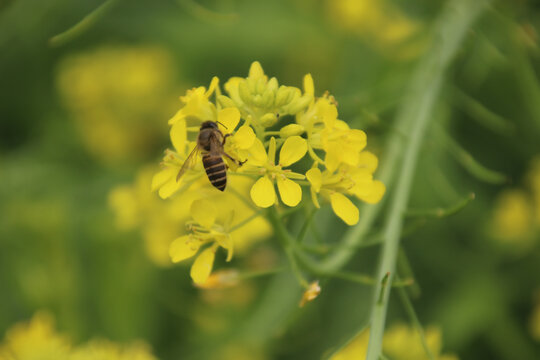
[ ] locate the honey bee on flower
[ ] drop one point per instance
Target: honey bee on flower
(235, 137)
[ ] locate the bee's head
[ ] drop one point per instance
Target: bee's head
(209, 125)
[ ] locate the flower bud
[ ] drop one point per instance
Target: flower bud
(291, 130)
(244, 92)
(299, 104)
(268, 119)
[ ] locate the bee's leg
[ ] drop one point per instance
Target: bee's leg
(237, 162)
(225, 138)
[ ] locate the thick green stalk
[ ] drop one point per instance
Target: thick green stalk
(416, 112)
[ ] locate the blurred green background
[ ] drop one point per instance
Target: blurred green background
(79, 119)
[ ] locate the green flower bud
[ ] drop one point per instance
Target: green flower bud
(268, 119)
(244, 92)
(299, 104)
(282, 96)
(267, 98)
(291, 130)
(272, 84)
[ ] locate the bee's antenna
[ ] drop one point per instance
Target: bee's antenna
(219, 122)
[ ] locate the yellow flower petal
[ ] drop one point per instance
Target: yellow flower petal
(170, 187)
(257, 153)
(376, 194)
(292, 150)
(183, 248)
(368, 161)
(203, 212)
(289, 191)
(314, 177)
(212, 87)
(202, 267)
(344, 208)
(244, 137)
(263, 193)
(162, 177)
(226, 242)
(309, 88)
(229, 119)
(179, 136)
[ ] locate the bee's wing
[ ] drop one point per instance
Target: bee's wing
(216, 145)
(189, 163)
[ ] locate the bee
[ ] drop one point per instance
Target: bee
(210, 143)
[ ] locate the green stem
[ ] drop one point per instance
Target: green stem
(83, 25)
(288, 244)
(416, 112)
(409, 309)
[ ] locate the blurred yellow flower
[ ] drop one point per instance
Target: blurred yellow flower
(379, 22)
(400, 342)
(38, 340)
(114, 94)
(512, 218)
(107, 350)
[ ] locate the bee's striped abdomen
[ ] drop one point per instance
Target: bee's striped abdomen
(216, 171)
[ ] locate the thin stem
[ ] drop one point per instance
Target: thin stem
(83, 25)
(246, 220)
(409, 309)
(259, 273)
(441, 212)
(288, 244)
(416, 112)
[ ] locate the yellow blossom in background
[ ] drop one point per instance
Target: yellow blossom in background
(516, 214)
(38, 340)
(378, 22)
(34, 340)
(400, 342)
(114, 95)
(107, 350)
(512, 218)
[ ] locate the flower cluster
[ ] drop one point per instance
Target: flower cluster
(37, 339)
(311, 148)
(400, 342)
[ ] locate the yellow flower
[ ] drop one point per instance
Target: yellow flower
(400, 342)
(107, 350)
(36, 339)
(197, 104)
(260, 162)
(351, 180)
(204, 230)
(380, 23)
(113, 94)
(513, 216)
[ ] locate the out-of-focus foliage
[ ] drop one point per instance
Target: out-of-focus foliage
(84, 125)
